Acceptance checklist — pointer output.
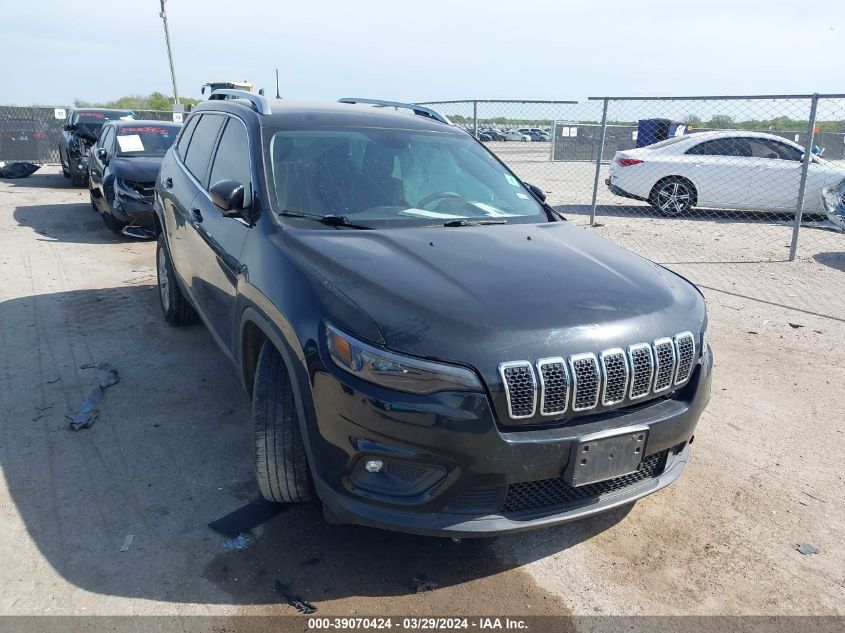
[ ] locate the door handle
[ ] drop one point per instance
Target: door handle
(168, 183)
(197, 214)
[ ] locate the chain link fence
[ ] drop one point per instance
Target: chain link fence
(32, 134)
(718, 188)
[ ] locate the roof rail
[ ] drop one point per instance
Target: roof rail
(417, 109)
(259, 103)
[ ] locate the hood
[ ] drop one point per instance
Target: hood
(487, 294)
(136, 168)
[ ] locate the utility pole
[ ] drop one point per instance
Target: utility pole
(163, 16)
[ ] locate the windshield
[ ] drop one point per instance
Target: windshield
(392, 177)
(145, 140)
(89, 123)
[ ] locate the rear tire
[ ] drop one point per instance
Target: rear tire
(174, 306)
(281, 464)
(673, 196)
(65, 168)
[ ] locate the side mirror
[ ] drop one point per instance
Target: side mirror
(103, 154)
(228, 196)
(68, 127)
(541, 195)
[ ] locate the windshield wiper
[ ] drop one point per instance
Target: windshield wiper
(330, 219)
(466, 222)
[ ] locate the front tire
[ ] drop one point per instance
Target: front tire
(65, 166)
(112, 223)
(174, 305)
(281, 464)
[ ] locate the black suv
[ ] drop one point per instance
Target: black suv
(78, 137)
(429, 347)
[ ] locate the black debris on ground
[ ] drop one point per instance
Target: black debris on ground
(293, 600)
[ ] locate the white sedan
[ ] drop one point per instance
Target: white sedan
(510, 135)
(722, 170)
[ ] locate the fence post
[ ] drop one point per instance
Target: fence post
(599, 157)
(808, 156)
(475, 119)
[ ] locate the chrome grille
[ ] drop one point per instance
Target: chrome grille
(685, 352)
(554, 385)
(664, 356)
(520, 388)
(642, 370)
(585, 381)
(615, 369)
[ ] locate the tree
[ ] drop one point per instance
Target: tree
(153, 101)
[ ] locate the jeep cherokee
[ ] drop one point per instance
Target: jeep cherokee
(429, 347)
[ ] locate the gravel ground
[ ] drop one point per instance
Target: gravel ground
(170, 452)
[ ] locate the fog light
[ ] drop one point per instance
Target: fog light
(374, 466)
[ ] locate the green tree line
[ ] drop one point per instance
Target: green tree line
(153, 101)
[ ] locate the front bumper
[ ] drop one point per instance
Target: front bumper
(451, 471)
(132, 208)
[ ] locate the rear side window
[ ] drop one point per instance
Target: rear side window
(182, 145)
(722, 147)
(231, 162)
(202, 142)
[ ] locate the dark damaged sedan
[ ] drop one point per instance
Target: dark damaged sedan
(122, 171)
(429, 346)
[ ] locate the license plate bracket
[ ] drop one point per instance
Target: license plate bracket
(606, 455)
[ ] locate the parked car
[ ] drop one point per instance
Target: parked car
(495, 135)
(511, 135)
(721, 170)
(481, 135)
(79, 135)
(833, 198)
(429, 347)
(122, 171)
(535, 134)
(24, 139)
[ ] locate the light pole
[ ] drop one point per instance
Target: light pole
(163, 16)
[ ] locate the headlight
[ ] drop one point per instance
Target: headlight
(396, 371)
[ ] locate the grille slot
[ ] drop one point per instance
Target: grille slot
(585, 381)
(615, 369)
(685, 352)
(664, 356)
(642, 370)
(409, 473)
(520, 388)
(549, 493)
(554, 385)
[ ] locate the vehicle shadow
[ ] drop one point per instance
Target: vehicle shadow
(835, 260)
(78, 223)
(169, 453)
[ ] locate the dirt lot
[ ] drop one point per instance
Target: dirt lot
(170, 452)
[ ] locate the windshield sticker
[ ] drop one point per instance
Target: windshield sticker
(511, 180)
(147, 129)
(92, 115)
(130, 143)
(437, 215)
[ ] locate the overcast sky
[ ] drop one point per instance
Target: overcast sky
(56, 51)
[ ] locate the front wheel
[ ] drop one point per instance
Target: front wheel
(281, 464)
(672, 197)
(174, 305)
(65, 166)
